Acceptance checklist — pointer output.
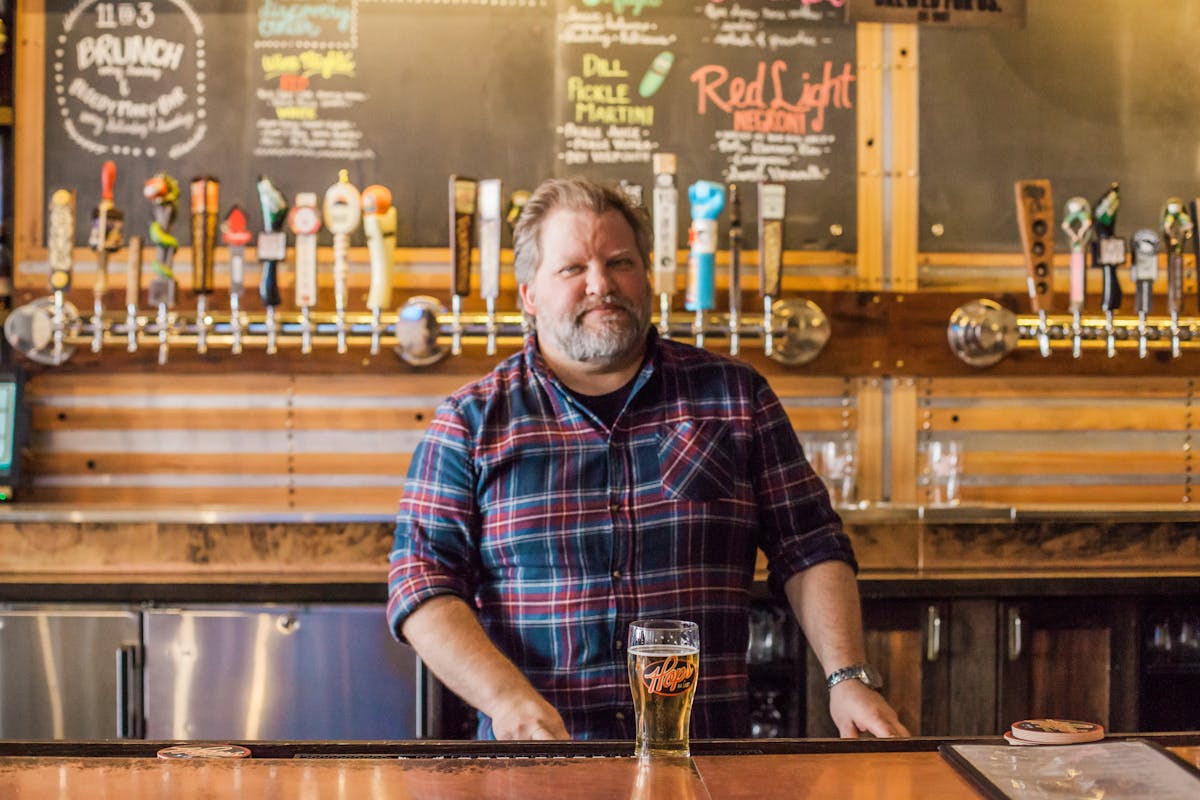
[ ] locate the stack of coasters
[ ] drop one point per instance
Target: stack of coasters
(1053, 731)
(204, 751)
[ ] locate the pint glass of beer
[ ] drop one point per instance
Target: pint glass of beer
(664, 663)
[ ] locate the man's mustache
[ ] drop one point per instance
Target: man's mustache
(591, 304)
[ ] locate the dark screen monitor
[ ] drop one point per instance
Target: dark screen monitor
(14, 426)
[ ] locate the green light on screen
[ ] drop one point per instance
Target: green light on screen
(8, 413)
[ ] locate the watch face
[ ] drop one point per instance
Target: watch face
(873, 678)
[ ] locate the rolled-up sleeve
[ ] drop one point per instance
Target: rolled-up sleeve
(798, 525)
(435, 546)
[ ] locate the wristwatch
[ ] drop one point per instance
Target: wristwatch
(863, 672)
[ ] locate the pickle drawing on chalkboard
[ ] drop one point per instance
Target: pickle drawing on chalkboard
(652, 81)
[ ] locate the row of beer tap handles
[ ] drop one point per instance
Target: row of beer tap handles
(1090, 235)
(477, 213)
(341, 211)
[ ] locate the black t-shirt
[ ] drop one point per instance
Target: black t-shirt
(606, 407)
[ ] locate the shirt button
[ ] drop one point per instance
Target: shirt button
(620, 715)
(618, 644)
(614, 507)
(617, 574)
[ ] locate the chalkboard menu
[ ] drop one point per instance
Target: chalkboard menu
(406, 92)
(1090, 92)
(740, 91)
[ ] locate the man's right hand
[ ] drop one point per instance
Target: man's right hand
(528, 717)
(447, 636)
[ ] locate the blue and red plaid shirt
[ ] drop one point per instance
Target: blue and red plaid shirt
(560, 532)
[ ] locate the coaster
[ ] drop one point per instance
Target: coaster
(1057, 731)
(204, 751)
(1008, 737)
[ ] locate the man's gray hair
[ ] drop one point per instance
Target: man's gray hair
(576, 194)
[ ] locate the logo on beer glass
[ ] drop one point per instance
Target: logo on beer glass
(669, 676)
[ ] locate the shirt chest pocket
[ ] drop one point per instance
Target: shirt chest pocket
(695, 460)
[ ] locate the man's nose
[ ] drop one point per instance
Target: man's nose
(599, 280)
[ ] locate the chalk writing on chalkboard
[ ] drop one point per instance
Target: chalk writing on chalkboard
(737, 25)
(129, 80)
(773, 124)
(773, 112)
(307, 97)
(606, 30)
(769, 86)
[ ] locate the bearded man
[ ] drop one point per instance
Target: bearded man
(604, 475)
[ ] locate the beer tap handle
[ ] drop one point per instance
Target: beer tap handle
(206, 203)
(379, 225)
(1144, 273)
(1177, 228)
(236, 236)
(163, 192)
(666, 236)
(272, 249)
(1108, 253)
(516, 204)
(59, 239)
(735, 267)
(1077, 224)
(707, 201)
(488, 204)
(343, 212)
(304, 221)
(133, 290)
(462, 220)
(1194, 207)
(772, 204)
(106, 236)
(1035, 216)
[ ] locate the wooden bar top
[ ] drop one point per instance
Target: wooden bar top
(837, 776)
(814, 776)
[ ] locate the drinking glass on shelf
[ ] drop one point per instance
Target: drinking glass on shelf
(945, 468)
(766, 720)
(1188, 639)
(761, 647)
(838, 468)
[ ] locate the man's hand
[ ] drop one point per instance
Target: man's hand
(857, 709)
(445, 633)
(528, 717)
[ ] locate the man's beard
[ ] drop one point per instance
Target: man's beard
(607, 341)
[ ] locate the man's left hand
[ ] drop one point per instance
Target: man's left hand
(857, 709)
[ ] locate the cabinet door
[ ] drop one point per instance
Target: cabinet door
(908, 642)
(60, 675)
(1169, 699)
(1071, 659)
(277, 672)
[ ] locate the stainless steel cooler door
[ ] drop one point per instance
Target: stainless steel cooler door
(277, 672)
(59, 671)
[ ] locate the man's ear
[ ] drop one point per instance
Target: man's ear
(527, 299)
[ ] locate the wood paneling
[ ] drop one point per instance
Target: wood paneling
(273, 440)
(1076, 440)
(870, 125)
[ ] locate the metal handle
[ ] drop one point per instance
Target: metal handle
(1014, 634)
(130, 721)
(933, 634)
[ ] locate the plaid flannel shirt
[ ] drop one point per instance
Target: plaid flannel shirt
(560, 532)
